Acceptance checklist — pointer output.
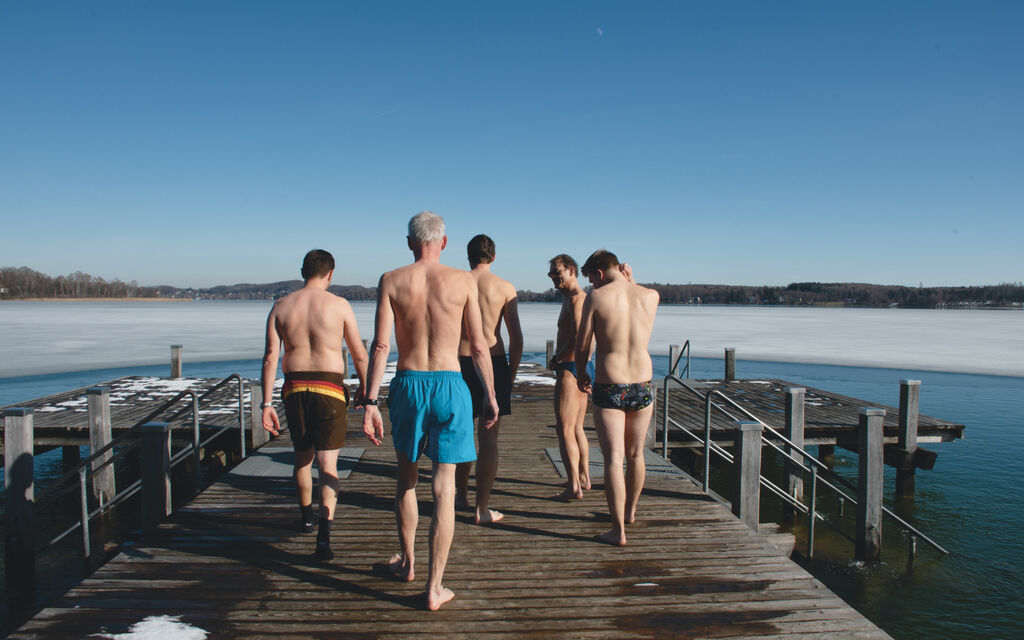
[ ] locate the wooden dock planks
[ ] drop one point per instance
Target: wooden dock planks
(230, 563)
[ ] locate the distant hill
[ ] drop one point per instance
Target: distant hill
(22, 282)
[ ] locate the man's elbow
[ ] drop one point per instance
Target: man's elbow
(379, 347)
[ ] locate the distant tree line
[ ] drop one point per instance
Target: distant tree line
(22, 282)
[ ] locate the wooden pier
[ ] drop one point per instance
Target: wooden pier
(231, 564)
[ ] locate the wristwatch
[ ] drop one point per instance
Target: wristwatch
(372, 403)
(264, 405)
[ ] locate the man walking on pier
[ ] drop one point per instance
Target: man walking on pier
(429, 305)
(498, 302)
(619, 315)
(570, 402)
(312, 323)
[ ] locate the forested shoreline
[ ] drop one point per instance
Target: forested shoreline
(19, 283)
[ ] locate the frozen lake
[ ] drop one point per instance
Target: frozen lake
(53, 336)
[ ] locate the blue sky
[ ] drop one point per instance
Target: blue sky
(710, 142)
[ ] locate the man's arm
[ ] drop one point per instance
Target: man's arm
(584, 340)
(373, 423)
(573, 318)
(358, 351)
(515, 336)
(473, 325)
(271, 353)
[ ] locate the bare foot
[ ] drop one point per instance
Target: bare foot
(401, 569)
(437, 597)
(489, 516)
(631, 516)
(612, 537)
(585, 483)
(568, 495)
(461, 500)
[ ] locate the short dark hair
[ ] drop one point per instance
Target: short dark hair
(480, 249)
(316, 264)
(602, 259)
(566, 261)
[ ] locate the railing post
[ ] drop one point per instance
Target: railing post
(241, 418)
(794, 433)
(549, 349)
(260, 436)
(19, 474)
(909, 399)
(869, 484)
(673, 359)
(664, 420)
(747, 472)
(730, 364)
(103, 487)
(344, 361)
(175, 360)
(156, 474)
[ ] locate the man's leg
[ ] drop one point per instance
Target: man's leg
(610, 430)
(462, 471)
(302, 473)
(486, 470)
(581, 442)
(407, 516)
(442, 528)
(327, 463)
(636, 470)
(566, 417)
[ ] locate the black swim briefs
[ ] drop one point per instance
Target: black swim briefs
(502, 383)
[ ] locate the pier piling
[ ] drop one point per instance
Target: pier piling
(674, 353)
(175, 360)
(103, 484)
(794, 398)
(156, 474)
(730, 364)
(907, 442)
(869, 484)
(19, 474)
(260, 436)
(550, 353)
(747, 470)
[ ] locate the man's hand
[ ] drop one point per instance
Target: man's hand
(626, 271)
(373, 425)
(583, 381)
(491, 415)
(270, 420)
(358, 398)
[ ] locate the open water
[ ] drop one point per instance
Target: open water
(971, 502)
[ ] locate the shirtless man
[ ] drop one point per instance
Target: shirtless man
(312, 323)
(619, 315)
(570, 402)
(498, 302)
(430, 306)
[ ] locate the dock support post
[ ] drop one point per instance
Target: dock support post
(70, 455)
(344, 361)
(730, 364)
(827, 453)
(175, 360)
(907, 443)
(747, 470)
(869, 484)
(103, 487)
(795, 433)
(549, 348)
(260, 436)
(156, 474)
(19, 474)
(674, 354)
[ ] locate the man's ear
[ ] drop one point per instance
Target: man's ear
(444, 242)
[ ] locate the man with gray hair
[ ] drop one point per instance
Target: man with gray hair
(429, 305)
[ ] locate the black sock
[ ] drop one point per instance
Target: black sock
(323, 540)
(307, 514)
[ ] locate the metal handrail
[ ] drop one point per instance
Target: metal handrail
(84, 470)
(805, 461)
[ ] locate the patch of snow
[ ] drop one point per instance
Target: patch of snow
(158, 628)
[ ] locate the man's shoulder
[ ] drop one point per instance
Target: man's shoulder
(496, 283)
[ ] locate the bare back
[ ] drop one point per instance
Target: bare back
(428, 301)
(312, 324)
(621, 314)
(568, 323)
(493, 295)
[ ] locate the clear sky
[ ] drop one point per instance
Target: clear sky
(202, 143)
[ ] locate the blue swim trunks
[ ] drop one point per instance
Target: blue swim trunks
(571, 368)
(432, 413)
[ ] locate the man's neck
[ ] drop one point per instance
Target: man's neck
(428, 253)
(571, 291)
(317, 283)
(482, 266)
